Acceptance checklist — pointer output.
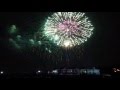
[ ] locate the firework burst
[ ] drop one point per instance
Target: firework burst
(68, 29)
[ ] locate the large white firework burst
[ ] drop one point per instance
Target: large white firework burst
(68, 29)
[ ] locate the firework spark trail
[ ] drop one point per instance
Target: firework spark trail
(68, 29)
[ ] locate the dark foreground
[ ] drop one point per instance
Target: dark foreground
(59, 77)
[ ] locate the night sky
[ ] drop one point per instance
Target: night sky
(101, 50)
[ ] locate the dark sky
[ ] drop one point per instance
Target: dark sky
(101, 50)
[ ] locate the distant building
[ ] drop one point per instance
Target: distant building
(92, 71)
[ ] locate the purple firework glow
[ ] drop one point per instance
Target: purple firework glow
(68, 28)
